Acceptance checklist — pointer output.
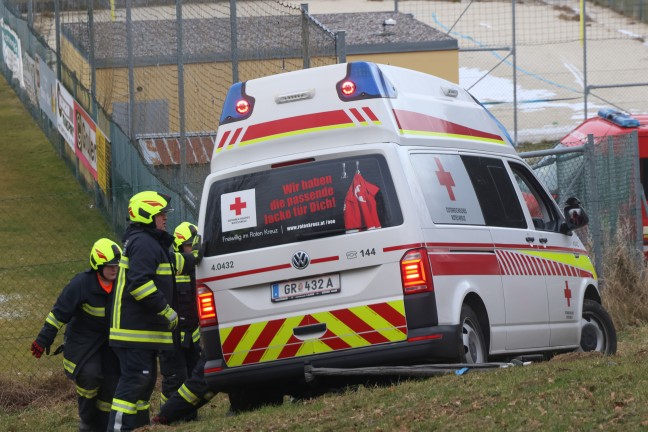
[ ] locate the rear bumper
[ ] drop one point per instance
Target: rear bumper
(444, 347)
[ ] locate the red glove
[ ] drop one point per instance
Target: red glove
(37, 350)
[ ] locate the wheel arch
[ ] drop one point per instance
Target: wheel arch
(591, 293)
(477, 305)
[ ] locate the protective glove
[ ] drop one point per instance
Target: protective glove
(37, 350)
(197, 249)
(171, 316)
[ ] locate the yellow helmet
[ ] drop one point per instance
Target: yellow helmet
(184, 234)
(144, 205)
(104, 252)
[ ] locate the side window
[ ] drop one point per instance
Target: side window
(495, 192)
(543, 212)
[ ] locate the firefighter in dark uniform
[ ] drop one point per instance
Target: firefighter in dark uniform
(176, 365)
(87, 359)
(184, 389)
(143, 313)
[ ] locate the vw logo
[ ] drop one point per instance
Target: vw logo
(300, 260)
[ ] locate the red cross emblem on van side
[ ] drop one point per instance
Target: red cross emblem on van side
(445, 179)
(238, 206)
(567, 292)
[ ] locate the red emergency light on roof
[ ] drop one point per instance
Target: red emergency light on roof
(242, 106)
(348, 88)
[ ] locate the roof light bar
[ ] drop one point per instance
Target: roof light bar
(238, 105)
(364, 81)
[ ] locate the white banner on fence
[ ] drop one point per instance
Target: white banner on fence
(46, 83)
(85, 139)
(30, 71)
(11, 52)
(65, 114)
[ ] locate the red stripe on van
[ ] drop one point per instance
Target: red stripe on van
(263, 341)
(410, 120)
(357, 115)
(391, 315)
(370, 113)
(402, 247)
(325, 259)
(292, 124)
(233, 339)
(223, 139)
(333, 341)
(290, 349)
(244, 273)
(359, 327)
(237, 132)
(464, 264)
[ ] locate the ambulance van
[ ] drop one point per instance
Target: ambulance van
(363, 215)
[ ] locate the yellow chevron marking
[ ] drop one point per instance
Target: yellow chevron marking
(568, 258)
(380, 324)
(280, 339)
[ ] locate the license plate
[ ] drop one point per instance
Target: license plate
(300, 288)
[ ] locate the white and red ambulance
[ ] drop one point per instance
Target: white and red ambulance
(363, 215)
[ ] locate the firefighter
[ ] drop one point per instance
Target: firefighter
(87, 359)
(143, 313)
(181, 397)
(176, 366)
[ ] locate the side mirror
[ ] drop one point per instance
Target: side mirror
(575, 216)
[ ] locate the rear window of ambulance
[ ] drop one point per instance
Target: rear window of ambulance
(300, 202)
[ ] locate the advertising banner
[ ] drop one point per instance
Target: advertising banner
(65, 114)
(11, 52)
(85, 139)
(46, 84)
(103, 161)
(30, 70)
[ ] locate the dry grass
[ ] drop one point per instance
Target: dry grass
(18, 395)
(625, 288)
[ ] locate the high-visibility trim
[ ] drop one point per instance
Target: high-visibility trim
(87, 393)
(353, 327)
(143, 405)
(103, 405)
(117, 296)
(68, 365)
(414, 123)
(292, 126)
(141, 336)
(94, 311)
(179, 262)
(164, 269)
(144, 290)
(163, 398)
(51, 319)
(183, 278)
(187, 395)
(195, 336)
(543, 263)
(123, 262)
(124, 406)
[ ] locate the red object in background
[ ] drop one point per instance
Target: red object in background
(360, 211)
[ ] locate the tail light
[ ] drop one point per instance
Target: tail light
(416, 273)
(206, 306)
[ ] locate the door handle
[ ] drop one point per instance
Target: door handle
(543, 240)
(530, 239)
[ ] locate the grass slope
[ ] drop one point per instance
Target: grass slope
(569, 393)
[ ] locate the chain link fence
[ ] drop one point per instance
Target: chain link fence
(603, 173)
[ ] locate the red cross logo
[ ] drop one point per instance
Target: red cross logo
(445, 179)
(567, 292)
(238, 206)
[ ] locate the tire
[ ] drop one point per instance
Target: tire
(249, 400)
(597, 329)
(472, 338)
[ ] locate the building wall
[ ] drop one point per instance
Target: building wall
(444, 64)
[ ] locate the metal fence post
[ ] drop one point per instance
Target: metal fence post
(181, 105)
(305, 36)
(340, 46)
(57, 24)
(234, 41)
(131, 70)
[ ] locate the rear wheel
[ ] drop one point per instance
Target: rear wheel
(472, 338)
(597, 329)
